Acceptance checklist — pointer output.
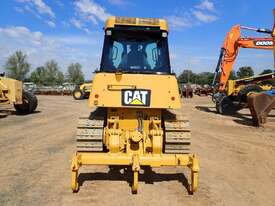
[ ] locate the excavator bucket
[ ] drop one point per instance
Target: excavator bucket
(260, 105)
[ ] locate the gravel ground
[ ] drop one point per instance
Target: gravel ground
(237, 161)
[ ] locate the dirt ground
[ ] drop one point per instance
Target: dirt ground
(237, 161)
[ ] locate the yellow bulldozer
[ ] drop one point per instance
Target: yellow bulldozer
(136, 119)
(11, 92)
(82, 92)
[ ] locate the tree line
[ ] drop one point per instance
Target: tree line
(203, 78)
(49, 74)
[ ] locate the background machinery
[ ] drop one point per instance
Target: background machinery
(260, 104)
(82, 91)
(231, 95)
(11, 92)
(136, 121)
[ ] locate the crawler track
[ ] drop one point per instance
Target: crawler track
(89, 135)
(177, 133)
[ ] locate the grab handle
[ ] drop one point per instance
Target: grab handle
(119, 87)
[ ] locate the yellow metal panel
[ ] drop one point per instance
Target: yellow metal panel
(86, 87)
(126, 159)
(266, 87)
(128, 117)
(230, 89)
(130, 21)
(164, 89)
(11, 89)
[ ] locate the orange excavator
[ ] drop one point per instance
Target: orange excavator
(230, 95)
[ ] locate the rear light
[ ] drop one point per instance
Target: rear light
(173, 98)
(96, 96)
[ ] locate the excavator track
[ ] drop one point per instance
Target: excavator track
(89, 135)
(177, 133)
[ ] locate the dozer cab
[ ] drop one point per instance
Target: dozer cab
(137, 118)
(12, 93)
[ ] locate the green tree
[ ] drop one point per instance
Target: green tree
(233, 75)
(272, 81)
(60, 78)
(75, 74)
(187, 76)
(266, 71)
(53, 74)
(17, 66)
(38, 76)
(204, 78)
(244, 72)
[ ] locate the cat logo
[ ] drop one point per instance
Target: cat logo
(136, 97)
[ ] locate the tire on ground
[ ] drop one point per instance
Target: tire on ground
(78, 94)
(29, 103)
(224, 106)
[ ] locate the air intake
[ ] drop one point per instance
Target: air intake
(125, 20)
(137, 21)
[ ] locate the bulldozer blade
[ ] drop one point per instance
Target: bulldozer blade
(260, 105)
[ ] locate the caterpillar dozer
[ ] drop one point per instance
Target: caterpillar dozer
(11, 92)
(136, 119)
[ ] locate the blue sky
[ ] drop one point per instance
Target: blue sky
(71, 31)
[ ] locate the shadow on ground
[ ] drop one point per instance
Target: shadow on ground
(243, 119)
(5, 113)
(125, 174)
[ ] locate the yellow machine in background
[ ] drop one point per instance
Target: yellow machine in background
(137, 118)
(11, 92)
(237, 91)
(235, 87)
(82, 92)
